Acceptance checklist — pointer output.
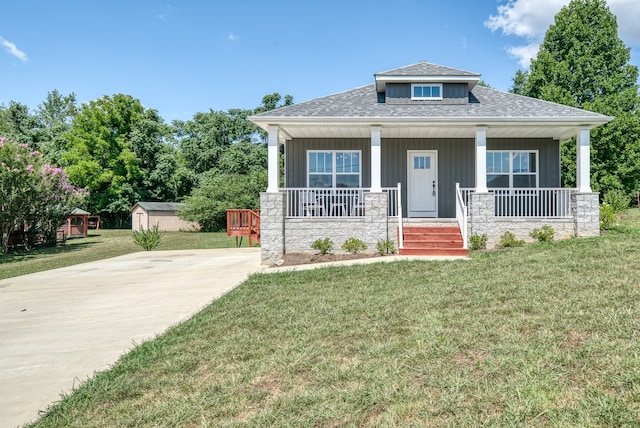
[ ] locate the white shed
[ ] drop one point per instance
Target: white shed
(148, 214)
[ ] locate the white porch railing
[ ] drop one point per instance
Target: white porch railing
(529, 202)
(461, 214)
(334, 203)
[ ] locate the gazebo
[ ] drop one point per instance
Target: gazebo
(77, 224)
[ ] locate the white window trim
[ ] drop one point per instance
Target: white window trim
(413, 85)
(511, 173)
(334, 166)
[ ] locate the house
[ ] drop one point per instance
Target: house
(423, 146)
(145, 215)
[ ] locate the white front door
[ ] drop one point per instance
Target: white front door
(422, 183)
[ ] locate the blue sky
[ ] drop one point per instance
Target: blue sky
(184, 57)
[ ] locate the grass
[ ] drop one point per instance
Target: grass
(543, 335)
(100, 245)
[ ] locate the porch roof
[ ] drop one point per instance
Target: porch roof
(351, 113)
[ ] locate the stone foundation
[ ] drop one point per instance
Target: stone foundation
(272, 232)
(585, 208)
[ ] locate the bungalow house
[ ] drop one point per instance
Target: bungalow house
(422, 147)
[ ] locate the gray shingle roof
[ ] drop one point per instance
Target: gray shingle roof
(484, 102)
(424, 68)
(160, 206)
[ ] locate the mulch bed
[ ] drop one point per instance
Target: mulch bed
(293, 259)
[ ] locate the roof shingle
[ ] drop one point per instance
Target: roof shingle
(484, 102)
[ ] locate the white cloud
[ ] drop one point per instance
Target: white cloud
(13, 50)
(530, 19)
(232, 37)
(168, 10)
(463, 42)
(524, 54)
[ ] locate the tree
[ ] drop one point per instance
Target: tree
(53, 119)
(35, 197)
(16, 123)
(481, 82)
(113, 146)
(217, 193)
(519, 82)
(204, 139)
(582, 63)
(228, 153)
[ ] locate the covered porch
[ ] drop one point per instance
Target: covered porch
(456, 181)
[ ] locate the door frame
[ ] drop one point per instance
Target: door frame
(434, 154)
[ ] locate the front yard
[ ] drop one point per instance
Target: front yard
(543, 335)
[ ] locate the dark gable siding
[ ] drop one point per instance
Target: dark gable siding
(456, 161)
(549, 152)
(401, 92)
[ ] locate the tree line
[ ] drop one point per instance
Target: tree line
(120, 152)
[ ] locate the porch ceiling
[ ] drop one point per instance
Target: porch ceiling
(411, 130)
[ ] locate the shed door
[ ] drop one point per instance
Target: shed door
(422, 183)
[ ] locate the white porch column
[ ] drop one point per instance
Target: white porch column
(481, 160)
(376, 163)
(583, 161)
(273, 160)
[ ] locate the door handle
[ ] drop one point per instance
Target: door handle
(434, 187)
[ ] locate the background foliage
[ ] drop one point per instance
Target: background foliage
(583, 63)
(123, 153)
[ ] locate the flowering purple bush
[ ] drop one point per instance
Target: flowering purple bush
(35, 197)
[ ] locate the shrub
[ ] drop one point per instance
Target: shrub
(508, 239)
(478, 242)
(608, 217)
(148, 239)
(544, 234)
(618, 200)
(354, 245)
(386, 246)
(323, 245)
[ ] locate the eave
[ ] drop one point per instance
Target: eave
(434, 127)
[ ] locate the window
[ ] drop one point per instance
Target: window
(420, 91)
(516, 169)
(334, 169)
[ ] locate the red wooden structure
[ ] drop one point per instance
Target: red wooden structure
(244, 223)
(77, 224)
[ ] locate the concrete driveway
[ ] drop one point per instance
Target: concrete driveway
(60, 326)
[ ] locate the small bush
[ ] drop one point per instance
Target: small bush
(386, 246)
(508, 240)
(478, 242)
(544, 234)
(323, 245)
(354, 245)
(618, 200)
(148, 239)
(608, 217)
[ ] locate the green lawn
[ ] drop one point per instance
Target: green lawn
(543, 335)
(103, 244)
